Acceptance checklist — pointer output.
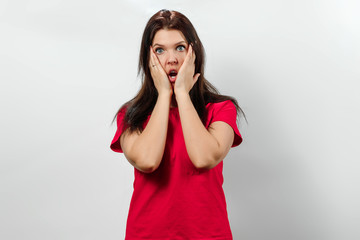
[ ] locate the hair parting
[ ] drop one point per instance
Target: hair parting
(202, 93)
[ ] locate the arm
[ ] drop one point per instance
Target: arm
(206, 148)
(145, 150)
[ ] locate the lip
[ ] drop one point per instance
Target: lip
(172, 79)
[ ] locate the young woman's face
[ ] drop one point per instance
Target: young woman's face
(170, 47)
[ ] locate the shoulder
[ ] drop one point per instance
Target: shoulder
(225, 112)
(121, 114)
(220, 110)
(218, 106)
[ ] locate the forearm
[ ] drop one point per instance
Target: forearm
(201, 146)
(148, 148)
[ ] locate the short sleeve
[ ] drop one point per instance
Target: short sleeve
(226, 112)
(115, 143)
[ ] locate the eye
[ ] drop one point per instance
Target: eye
(159, 50)
(181, 48)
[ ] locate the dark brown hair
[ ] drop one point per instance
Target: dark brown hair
(203, 92)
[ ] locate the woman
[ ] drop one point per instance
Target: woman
(175, 132)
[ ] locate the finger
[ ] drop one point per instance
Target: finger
(151, 62)
(188, 55)
(156, 62)
(193, 54)
(153, 57)
(196, 77)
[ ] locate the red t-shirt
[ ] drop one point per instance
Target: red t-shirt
(177, 200)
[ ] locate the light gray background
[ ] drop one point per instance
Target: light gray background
(67, 66)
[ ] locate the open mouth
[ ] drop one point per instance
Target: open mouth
(172, 75)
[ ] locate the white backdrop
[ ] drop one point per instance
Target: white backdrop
(66, 66)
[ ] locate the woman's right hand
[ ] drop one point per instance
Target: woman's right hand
(159, 75)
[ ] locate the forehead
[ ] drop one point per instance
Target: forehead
(168, 37)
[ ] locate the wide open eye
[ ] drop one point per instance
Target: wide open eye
(181, 48)
(159, 50)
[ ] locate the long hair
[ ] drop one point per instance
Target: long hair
(203, 92)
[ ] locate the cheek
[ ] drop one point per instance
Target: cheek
(181, 58)
(162, 60)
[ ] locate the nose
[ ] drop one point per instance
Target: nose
(172, 58)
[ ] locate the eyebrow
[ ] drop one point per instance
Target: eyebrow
(174, 44)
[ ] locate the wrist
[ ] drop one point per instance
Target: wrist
(181, 95)
(164, 95)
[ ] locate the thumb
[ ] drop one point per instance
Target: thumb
(196, 77)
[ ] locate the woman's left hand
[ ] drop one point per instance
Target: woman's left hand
(185, 78)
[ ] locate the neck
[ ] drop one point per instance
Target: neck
(173, 101)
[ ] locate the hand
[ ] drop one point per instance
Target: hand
(185, 78)
(158, 74)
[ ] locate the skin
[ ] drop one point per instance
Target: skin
(168, 52)
(205, 147)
